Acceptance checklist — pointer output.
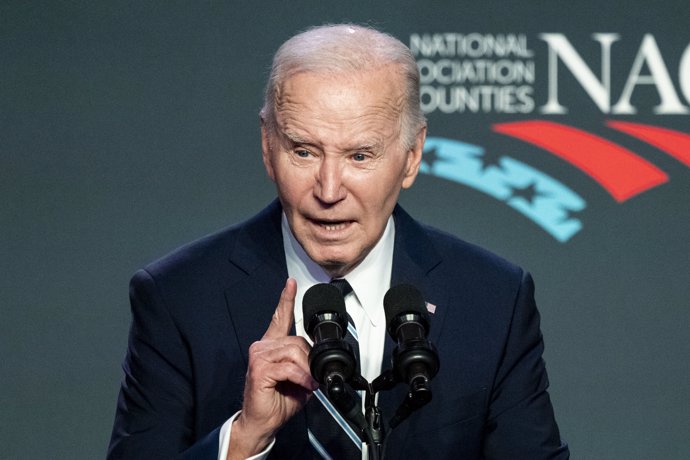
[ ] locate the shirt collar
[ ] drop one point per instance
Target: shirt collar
(370, 280)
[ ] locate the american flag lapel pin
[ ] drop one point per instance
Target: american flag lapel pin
(430, 307)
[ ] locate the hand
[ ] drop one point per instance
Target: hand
(278, 381)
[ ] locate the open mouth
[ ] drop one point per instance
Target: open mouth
(332, 226)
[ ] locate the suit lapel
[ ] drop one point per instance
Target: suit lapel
(259, 262)
(414, 259)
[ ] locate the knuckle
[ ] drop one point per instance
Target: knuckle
(254, 347)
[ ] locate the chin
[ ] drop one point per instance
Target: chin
(335, 266)
(330, 264)
(336, 261)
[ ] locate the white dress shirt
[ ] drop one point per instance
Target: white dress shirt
(370, 281)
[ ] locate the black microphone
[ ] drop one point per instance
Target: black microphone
(415, 359)
(331, 359)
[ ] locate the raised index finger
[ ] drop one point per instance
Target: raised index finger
(284, 316)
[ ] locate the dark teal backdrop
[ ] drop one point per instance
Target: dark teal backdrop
(130, 128)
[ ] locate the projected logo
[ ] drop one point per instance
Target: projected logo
(546, 200)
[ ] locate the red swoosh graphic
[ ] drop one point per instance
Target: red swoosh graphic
(675, 143)
(618, 170)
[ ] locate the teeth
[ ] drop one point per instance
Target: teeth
(333, 227)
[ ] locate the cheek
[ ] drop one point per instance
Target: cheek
(388, 188)
(292, 186)
(377, 207)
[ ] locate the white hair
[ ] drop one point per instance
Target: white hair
(342, 49)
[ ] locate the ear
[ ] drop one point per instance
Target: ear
(266, 149)
(414, 159)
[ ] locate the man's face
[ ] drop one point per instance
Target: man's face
(338, 162)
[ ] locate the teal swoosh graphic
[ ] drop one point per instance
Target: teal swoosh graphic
(536, 195)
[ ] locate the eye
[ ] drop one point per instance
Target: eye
(302, 153)
(359, 156)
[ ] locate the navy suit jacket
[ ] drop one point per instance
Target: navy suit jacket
(196, 311)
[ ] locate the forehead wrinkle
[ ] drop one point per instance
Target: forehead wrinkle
(366, 127)
(366, 136)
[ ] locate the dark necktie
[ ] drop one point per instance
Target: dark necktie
(351, 337)
(329, 433)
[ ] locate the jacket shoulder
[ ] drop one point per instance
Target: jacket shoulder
(213, 253)
(456, 249)
(434, 249)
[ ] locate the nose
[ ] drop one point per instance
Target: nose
(329, 187)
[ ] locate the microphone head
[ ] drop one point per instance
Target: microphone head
(323, 299)
(415, 360)
(325, 318)
(404, 299)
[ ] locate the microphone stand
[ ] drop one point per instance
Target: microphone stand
(371, 426)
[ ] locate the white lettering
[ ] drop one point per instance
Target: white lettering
(598, 91)
(479, 72)
(649, 53)
(502, 71)
(481, 98)
(472, 45)
(684, 73)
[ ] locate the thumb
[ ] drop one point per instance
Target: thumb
(284, 316)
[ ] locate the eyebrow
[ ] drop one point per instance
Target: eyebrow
(297, 139)
(368, 147)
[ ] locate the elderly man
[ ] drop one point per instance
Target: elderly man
(215, 370)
